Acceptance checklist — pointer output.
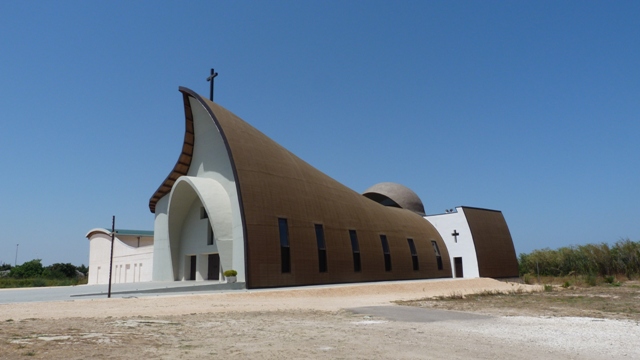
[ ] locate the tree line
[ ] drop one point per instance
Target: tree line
(33, 273)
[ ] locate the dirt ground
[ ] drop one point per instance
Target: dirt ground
(605, 301)
(307, 323)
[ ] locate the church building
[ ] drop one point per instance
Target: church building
(237, 200)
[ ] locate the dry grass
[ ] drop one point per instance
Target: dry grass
(618, 300)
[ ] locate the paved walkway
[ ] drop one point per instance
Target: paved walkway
(416, 314)
(62, 293)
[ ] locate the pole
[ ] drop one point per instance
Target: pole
(113, 230)
(15, 263)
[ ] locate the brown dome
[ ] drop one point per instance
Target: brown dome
(395, 195)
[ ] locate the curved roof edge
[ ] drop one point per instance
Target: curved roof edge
(141, 233)
(97, 230)
(184, 160)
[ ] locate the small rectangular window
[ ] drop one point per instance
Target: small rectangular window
(414, 254)
(285, 254)
(209, 234)
(322, 248)
(387, 253)
(355, 247)
(438, 257)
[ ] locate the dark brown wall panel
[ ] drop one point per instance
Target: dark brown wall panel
(494, 246)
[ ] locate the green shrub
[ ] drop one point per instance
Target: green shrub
(29, 269)
(59, 271)
(83, 269)
(230, 273)
(566, 284)
(548, 287)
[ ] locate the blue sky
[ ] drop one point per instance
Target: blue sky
(531, 108)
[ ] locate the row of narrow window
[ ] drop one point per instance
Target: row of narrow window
(285, 251)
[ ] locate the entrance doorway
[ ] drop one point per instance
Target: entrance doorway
(192, 267)
(213, 267)
(457, 263)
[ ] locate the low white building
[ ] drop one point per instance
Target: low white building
(132, 256)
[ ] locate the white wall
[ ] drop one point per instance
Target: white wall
(211, 160)
(163, 269)
(130, 263)
(464, 247)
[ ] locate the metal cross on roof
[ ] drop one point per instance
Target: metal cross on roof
(210, 80)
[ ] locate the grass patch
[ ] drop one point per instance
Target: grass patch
(575, 280)
(6, 283)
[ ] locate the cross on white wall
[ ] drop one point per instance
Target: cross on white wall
(455, 235)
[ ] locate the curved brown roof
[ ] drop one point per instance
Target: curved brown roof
(274, 183)
(184, 161)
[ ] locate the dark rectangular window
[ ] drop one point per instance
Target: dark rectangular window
(192, 267)
(322, 248)
(414, 254)
(387, 253)
(285, 254)
(213, 267)
(438, 257)
(209, 234)
(355, 247)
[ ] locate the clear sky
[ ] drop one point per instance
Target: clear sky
(532, 108)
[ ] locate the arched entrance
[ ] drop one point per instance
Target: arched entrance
(200, 229)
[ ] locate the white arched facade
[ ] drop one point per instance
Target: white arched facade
(199, 222)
